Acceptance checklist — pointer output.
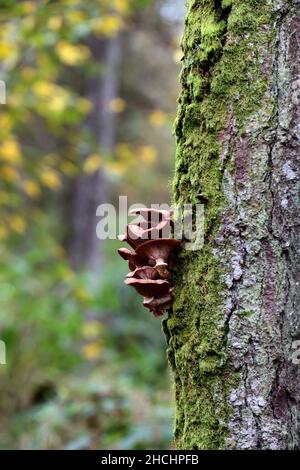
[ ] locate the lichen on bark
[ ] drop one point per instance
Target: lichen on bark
(229, 336)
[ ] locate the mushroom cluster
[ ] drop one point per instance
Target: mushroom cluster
(151, 259)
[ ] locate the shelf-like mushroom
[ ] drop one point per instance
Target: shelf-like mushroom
(159, 306)
(145, 272)
(152, 258)
(159, 252)
(157, 302)
(134, 260)
(149, 288)
(161, 309)
(132, 235)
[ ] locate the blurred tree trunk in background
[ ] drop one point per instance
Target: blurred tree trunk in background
(92, 190)
(236, 316)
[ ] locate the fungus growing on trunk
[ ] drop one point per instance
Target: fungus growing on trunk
(159, 252)
(152, 260)
(132, 236)
(134, 260)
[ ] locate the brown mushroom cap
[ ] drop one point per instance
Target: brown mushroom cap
(149, 287)
(158, 250)
(159, 311)
(145, 272)
(157, 302)
(135, 261)
(124, 238)
(159, 306)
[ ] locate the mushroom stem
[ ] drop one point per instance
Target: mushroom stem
(162, 269)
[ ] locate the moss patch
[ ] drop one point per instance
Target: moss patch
(224, 45)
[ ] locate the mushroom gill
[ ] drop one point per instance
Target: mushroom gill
(152, 258)
(145, 272)
(159, 252)
(148, 287)
(134, 260)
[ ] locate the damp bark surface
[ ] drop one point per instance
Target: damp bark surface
(231, 335)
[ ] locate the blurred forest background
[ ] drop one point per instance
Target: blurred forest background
(91, 89)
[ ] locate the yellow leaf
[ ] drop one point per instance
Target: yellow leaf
(68, 168)
(117, 105)
(6, 49)
(58, 103)
(17, 223)
(55, 98)
(51, 179)
(92, 351)
(108, 25)
(118, 168)
(32, 188)
(54, 23)
(83, 105)
(121, 5)
(44, 89)
(157, 118)
(91, 329)
(10, 151)
(71, 54)
(92, 163)
(148, 153)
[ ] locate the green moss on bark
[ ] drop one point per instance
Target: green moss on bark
(224, 45)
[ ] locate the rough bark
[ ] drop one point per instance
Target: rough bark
(236, 312)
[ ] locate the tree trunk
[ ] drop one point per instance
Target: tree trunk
(236, 314)
(92, 190)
